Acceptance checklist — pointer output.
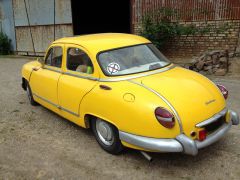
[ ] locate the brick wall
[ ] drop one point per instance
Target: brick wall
(201, 13)
(193, 45)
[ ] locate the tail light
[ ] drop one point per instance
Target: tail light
(223, 90)
(165, 117)
(202, 135)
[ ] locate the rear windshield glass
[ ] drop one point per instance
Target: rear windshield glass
(130, 60)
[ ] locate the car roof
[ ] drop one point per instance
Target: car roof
(103, 41)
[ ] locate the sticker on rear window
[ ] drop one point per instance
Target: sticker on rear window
(113, 68)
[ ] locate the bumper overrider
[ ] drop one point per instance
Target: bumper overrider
(181, 143)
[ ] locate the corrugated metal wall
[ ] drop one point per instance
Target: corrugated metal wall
(41, 20)
(189, 10)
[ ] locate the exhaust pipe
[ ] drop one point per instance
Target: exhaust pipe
(147, 156)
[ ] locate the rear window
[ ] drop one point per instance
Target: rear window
(130, 60)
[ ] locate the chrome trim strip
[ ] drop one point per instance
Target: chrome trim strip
(81, 76)
(112, 79)
(59, 107)
(70, 112)
(50, 69)
(163, 145)
(137, 75)
(46, 100)
(215, 136)
(212, 119)
(165, 100)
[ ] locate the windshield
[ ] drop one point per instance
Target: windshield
(130, 60)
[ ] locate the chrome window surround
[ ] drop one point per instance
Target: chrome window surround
(113, 79)
(80, 76)
(171, 66)
(51, 69)
(213, 118)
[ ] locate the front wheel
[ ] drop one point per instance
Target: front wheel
(30, 96)
(107, 136)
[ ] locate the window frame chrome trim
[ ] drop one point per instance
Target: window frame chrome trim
(171, 66)
(80, 76)
(109, 79)
(51, 69)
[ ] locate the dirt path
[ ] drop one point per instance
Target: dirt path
(37, 144)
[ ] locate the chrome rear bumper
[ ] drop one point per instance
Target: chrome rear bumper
(181, 143)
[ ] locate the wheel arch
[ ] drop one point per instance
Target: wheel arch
(27, 69)
(24, 83)
(89, 116)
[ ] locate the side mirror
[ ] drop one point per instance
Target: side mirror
(40, 60)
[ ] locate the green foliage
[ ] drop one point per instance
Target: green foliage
(157, 32)
(158, 28)
(5, 44)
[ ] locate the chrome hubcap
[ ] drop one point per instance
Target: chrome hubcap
(104, 132)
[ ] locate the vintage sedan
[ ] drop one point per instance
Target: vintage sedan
(129, 94)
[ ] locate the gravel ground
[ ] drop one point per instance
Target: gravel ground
(38, 144)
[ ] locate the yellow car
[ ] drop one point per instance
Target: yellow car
(129, 94)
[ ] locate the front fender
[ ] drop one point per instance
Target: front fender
(28, 68)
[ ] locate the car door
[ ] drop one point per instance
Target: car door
(78, 79)
(44, 81)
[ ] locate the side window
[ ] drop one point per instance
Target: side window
(78, 60)
(54, 57)
(49, 57)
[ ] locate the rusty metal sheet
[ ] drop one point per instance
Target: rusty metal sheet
(189, 10)
(42, 36)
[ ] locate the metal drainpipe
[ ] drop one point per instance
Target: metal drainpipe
(54, 19)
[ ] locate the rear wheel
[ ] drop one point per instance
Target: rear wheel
(30, 96)
(107, 136)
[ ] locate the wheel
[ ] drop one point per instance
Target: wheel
(107, 136)
(30, 96)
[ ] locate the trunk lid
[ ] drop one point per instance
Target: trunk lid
(193, 96)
